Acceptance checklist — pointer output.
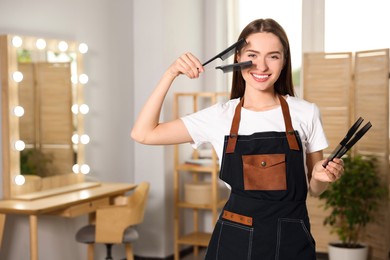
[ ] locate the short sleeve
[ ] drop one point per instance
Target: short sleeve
(316, 140)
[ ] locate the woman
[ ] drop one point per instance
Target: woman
(268, 141)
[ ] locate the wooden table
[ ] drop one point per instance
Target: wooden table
(70, 202)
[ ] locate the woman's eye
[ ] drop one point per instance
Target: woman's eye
(275, 57)
(252, 55)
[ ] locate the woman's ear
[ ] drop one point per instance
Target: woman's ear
(238, 57)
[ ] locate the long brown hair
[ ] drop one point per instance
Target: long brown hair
(284, 84)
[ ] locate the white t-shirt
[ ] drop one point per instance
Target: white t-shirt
(212, 124)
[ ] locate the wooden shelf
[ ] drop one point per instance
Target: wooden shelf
(195, 164)
(195, 168)
(196, 238)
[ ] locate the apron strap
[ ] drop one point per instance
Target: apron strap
(291, 138)
(231, 146)
(290, 133)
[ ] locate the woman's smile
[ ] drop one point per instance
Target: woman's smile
(261, 77)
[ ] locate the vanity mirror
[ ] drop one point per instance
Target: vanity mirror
(43, 137)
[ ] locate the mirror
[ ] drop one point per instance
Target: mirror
(43, 134)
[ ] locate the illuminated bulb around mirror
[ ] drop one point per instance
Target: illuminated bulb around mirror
(75, 139)
(63, 46)
(84, 109)
(18, 111)
(17, 76)
(83, 78)
(41, 44)
(76, 168)
(75, 109)
(20, 145)
(84, 139)
(83, 48)
(20, 180)
(17, 41)
(84, 169)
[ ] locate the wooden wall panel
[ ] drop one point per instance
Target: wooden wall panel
(346, 87)
(327, 81)
(371, 97)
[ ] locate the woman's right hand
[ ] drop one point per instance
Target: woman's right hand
(188, 65)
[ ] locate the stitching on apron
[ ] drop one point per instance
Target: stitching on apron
(260, 138)
(219, 239)
(245, 228)
(278, 239)
(279, 231)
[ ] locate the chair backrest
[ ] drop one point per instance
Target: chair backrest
(127, 211)
(137, 203)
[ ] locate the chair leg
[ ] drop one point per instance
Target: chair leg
(91, 252)
(129, 252)
(109, 256)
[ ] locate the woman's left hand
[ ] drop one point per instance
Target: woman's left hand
(331, 173)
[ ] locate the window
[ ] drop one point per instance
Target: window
(356, 25)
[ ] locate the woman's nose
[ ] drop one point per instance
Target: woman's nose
(261, 64)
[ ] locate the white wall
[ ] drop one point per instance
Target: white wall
(131, 43)
(163, 30)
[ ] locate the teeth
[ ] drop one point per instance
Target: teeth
(260, 76)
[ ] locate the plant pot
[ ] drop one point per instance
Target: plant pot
(342, 253)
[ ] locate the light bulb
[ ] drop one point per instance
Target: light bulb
(83, 48)
(20, 145)
(84, 109)
(41, 44)
(84, 139)
(20, 180)
(62, 46)
(84, 169)
(75, 109)
(17, 41)
(83, 78)
(18, 111)
(76, 168)
(17, 76)
(75, 138)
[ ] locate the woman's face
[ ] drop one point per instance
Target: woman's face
(266, 53)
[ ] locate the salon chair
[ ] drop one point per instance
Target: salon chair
(115, 224)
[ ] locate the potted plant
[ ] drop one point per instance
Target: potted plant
(352, 200)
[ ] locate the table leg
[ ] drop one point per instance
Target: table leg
(2, 224)
(33, 237)
(91, 220)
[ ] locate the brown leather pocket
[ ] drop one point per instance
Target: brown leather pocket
(264, 172)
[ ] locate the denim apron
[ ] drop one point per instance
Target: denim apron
(266, 215)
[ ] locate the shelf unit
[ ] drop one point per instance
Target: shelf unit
(185, 103)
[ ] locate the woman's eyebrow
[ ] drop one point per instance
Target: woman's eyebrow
(250, 50)
(257, 52)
